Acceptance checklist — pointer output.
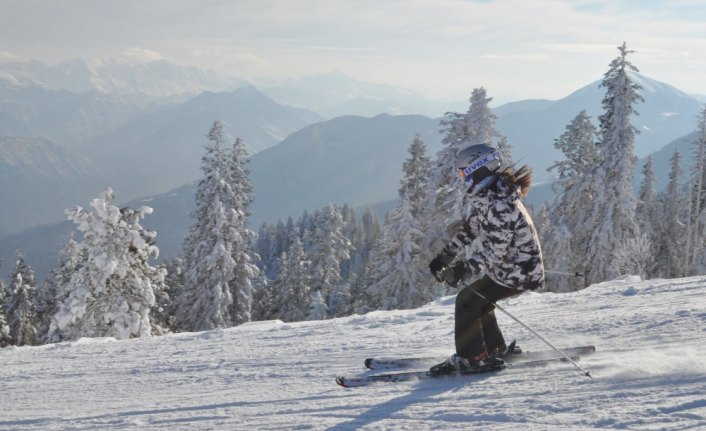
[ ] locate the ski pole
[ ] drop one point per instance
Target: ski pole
(586, 373)
(575, 274)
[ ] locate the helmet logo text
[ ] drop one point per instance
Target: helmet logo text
(479, 164)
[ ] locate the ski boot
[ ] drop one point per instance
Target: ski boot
(459, 364)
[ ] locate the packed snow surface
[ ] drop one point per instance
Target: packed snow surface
(649, 372)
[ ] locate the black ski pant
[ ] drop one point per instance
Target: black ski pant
(476, 329)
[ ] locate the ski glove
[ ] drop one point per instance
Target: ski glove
(453, 274)
(439, 263)
(436, 266)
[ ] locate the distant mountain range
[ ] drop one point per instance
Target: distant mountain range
(163, 150)
(147, 155)
(66, 118)
(329, 95)
(154, 80)
(299, 160)
(38, 178)
(532, 126)
(350, 159)
(334, 95)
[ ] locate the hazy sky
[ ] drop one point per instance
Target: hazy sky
(440, 48)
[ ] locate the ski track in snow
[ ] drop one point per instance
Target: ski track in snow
(649, 371)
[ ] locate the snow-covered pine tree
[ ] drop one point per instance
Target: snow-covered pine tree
(4, 328)
(262, 305)
(111, 292)
(55, 292)
(242, 249)
(505, 150)
(292, 293)
(364, 257)
(160, 317)
(648, 210)
(164, 310)
(350, 231)
(415, 183)
(634, 256)
(613, 210)
(564, 245)
(328, 249)
(542, 221)
(443, 211)
(480, 120)
(696, 222)
(379, 264)
(404, 283)
(306, 225)
(647, 205)
(317, 307)
(266, 248)
(271, 242)
(21, 304)
(206, 300)
(670, 258)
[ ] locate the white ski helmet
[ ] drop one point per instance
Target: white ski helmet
(477, 162)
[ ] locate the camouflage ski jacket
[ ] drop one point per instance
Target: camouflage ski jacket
(499, 238)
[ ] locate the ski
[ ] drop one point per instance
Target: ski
(353, 382)
(512, 357)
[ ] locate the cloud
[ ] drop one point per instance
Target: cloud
(526, 56)
(7, 56)
(445, 45)
(580, 48)
(142, 55)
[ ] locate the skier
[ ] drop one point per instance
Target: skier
(497, 239)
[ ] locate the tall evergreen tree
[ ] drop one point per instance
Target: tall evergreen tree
(480, 120)
(643, 257)
(160, 317)
(4, 327)
(416, 170)
(266, 247)
(370, 232)
(328, 249)
(670, 258)
(292, 286)
(647, 205)
(57, 286)
(350, 231)
(613, 212)
(112, 291)
(217, 259)
(263, 306)
(565, 244)
(166, 308)
(403, 284)
(696, 221)
(270, 243)
(21, 304)
(243, 255)
(445, 193)
(379, 264)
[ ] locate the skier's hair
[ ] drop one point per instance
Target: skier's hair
(522, 177)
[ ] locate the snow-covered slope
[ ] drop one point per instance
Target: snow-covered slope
(649, 371)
